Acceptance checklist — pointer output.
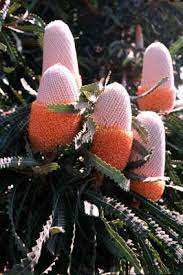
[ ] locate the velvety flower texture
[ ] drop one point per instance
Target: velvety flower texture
(155, 166)
(59, 47)
(49, 129)
(157, 64)
(113, 138)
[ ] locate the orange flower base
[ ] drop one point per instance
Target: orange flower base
(49, 129)
(150, 190)
(161, 100)
(112, 145)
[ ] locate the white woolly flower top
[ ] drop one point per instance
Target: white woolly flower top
(113, 108)
(157, 64)
(59, 47)
(57, 85)
(155, 166)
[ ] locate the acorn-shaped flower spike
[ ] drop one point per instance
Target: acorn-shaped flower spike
(155, 166)
(139, 37)
(113, 138)
(157, 64)
(49, 129)
(59, 47)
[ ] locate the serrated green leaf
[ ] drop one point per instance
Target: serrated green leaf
(14, 6)
(27, 264)
(10, 208)
(16, 162)
(91, 90)
(149, 257)
(11, 48)
(62, 108)
(50, 268)
(3, 12)
(46, 168)
(109, 171)
(8, 70)
(123, 248)
(86, 133)
(90, 130)
(165, 216)
(176, 46)
(3, 47)
(115, 208)
(164, 268)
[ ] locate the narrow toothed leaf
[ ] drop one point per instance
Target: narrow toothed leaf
(86, 133)
(91, 90)
(123, 248)
(176, 46)
(50, 268)
(115, 208)
(3, 47)
(17, 162)
(109, 171)
(19, 243)
(46, 168)
(62, 108)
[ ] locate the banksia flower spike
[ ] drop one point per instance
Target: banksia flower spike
(155, 166)
(139, 37)
(59, 47)
(49, 129)
(113, 138)
(157, 64)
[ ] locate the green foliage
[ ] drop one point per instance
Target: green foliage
(176, 46)
(54, 218)
(109, 171)
(123, 248)
(62, 108)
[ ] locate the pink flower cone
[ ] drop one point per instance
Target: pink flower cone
(139, 37)
(113, 108)
(48, 129)
(155, 166)
(59, 47)
(113, 138)
(157, 64)
(57, 85)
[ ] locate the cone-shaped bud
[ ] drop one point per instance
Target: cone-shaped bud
(59, 47)
(57, 85)
(49, 129)
(155, 166)
(113, 138)
(139, 37)
(157, 64)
